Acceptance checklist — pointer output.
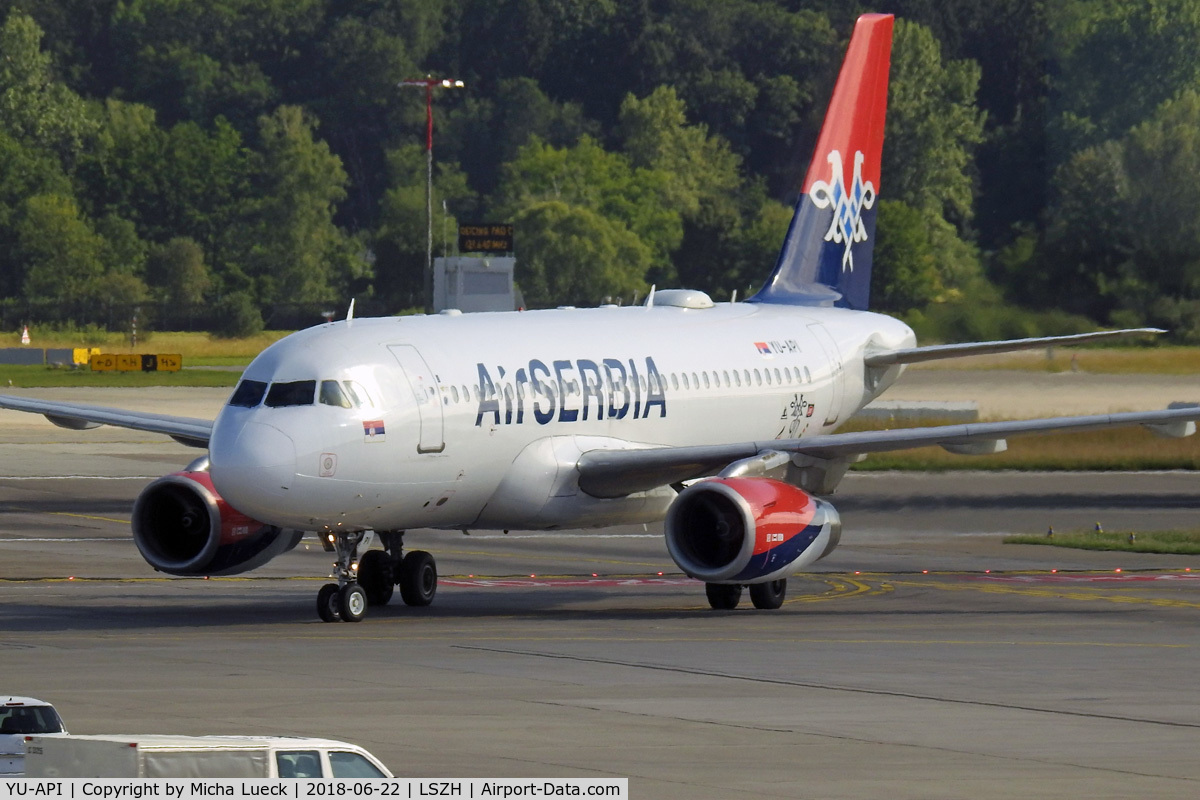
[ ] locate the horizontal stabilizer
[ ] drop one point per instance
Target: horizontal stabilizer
(939, 351)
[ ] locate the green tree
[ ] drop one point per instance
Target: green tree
(197, 61)
(704, 184)
(26, 172)
(933, 127)
(1118, 62)
(489, 130)
(588, 176)
(904, 274)
(574, 255)
(297, 253)
(62, 253)
(177, 272)
(401, 239)
(35, 108)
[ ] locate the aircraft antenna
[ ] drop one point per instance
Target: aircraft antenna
(350, 311)
(650, 297)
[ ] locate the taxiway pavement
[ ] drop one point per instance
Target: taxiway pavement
(901, 668)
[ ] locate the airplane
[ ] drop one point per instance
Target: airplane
(718, 418)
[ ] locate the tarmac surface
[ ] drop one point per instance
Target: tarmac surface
(923, 658)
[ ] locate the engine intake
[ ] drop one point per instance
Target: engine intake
(182, 526)
(748, 530)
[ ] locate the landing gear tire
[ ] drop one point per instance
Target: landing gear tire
(724, 596)
(327, 603)
(352, 602)
(376, 577)
(418, 578)
(768, 595)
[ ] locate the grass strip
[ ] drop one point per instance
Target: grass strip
(1165, 542)
(18, 376)
(1111, 450)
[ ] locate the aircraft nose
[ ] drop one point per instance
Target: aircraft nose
(257, 459)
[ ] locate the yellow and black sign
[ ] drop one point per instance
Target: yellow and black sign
(487, 237)
(133, 362)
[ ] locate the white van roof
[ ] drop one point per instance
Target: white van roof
(13, 700)
(158, 741)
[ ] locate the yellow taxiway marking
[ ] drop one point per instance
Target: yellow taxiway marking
(1064, 594)
(841, 587)
(21, 510)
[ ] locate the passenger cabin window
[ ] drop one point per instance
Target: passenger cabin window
(352, 765)
(248, 394)
(293, 393)
(332, 395)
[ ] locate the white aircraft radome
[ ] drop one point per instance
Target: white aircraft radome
(718, 417)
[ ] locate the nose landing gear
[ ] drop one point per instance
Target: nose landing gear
(345, 600)
(371, 579)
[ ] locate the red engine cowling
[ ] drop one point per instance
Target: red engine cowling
(183, 527)
(748, 530)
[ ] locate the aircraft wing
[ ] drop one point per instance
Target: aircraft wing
(78, 416)
(934, 352)
(616, 473)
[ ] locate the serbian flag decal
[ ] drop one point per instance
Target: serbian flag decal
(373, 430)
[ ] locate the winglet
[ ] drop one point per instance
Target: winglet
(826, 256)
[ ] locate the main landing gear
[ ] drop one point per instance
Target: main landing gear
(726, 596)
(376, 576)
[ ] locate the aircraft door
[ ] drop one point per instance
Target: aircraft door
(427, 395)
(834, 358)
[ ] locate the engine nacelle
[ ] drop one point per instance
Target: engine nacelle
(748, 530)
(183, 527)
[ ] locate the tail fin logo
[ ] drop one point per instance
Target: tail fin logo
(847, 225)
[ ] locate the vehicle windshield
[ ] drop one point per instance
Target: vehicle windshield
(352, 765)
(29, 719)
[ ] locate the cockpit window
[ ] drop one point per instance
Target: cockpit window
(294, 393)
(358, 395)
(332, 395)
(248, 394)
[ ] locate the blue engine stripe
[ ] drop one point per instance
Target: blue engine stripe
(780, 556)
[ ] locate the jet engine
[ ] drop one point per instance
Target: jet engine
(183, 527)
(748, 530)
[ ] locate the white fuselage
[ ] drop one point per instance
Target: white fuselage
(477, 420)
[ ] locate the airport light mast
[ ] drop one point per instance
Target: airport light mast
(429, 83)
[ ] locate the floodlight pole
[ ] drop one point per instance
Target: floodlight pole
(430, 83)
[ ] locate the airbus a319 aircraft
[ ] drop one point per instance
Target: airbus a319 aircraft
(717, 416)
